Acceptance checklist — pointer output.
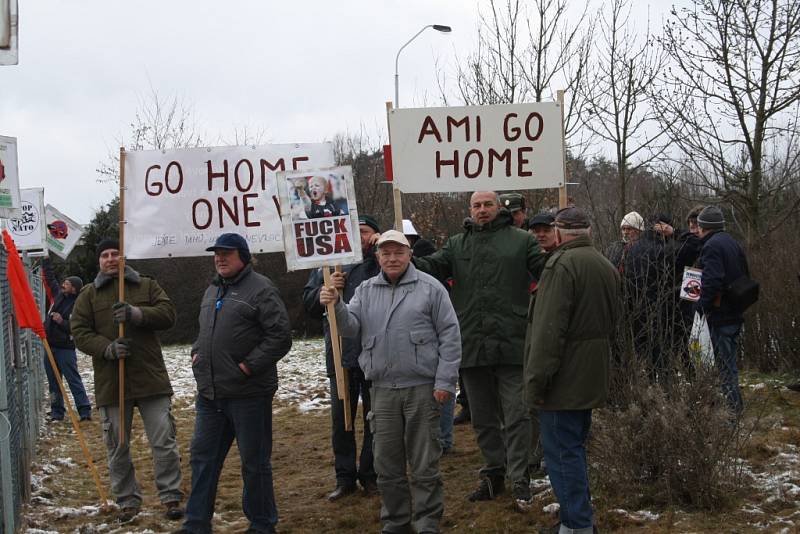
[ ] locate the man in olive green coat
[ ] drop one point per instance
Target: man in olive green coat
(490, 264)
(95, 320)
(567, 352)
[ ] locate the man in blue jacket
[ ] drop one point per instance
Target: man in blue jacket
(723, 262)
(244, 331)
(348, 471)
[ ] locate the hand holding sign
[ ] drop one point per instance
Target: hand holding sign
(328, 295)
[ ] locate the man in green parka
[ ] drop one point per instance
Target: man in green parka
(567, 350)
(95, 320)
(490, 264)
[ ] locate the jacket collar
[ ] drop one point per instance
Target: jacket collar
(219, 281)
(502, 220)
(580, 241)
(130, 276)
(409, 276)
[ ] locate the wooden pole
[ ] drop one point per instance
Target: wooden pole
(341, 378)
(75, 423)
(121, 327)
(562, 191)
(397, 196)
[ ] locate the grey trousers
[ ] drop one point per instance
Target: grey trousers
(405, 425)
(159, 425)
(500, 419)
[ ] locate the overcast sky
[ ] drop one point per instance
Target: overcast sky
(299, 71)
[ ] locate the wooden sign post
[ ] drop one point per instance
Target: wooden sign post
(342, 382)
(121, 274)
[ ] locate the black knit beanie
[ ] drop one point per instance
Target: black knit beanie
(711, 218)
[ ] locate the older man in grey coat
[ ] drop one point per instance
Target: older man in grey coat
(411, 350)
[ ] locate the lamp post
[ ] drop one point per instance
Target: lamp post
(438, 28)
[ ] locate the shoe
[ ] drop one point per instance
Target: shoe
(86, 418)
(794, 387)
(489, 488)
(463, 417)
(127, 513)
(341, 491)
(370, 488)
(447, 450)
(51, 419)
(173, 510)
(523, 500)
(537, 470)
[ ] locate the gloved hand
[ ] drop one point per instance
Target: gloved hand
(118, 349)
(124, 312)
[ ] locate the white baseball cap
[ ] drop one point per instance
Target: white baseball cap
(392, 236)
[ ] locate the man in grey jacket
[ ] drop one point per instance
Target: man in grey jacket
(244, 331)
(411, 350)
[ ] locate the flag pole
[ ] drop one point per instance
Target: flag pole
(121, 274)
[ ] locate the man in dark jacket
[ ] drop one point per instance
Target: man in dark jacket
(348, 472)
(490, 264)
(244, 332)
(59, 336)
(95, 327)
(723, 262)
(568, 345)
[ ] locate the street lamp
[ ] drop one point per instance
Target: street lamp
(438, 28)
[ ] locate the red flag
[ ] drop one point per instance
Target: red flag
(27, 311)
(47, 291)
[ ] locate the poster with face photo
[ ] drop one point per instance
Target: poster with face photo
(319, 217)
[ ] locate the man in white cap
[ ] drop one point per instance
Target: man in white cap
(411, 350)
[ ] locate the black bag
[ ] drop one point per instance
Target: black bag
(742, 292)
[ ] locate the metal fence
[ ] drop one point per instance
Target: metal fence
(22, 391)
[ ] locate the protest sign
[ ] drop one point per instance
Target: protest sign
(492, 148)
(28, 228)
(8, 32)
(62, 232)
(320, 219)
(9, 178)
(690, 284)
(178, 201)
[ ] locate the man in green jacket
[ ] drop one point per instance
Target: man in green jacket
(490, 264)
(568, 345)
(95, 322)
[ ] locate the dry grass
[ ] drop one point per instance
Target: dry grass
(303, 470)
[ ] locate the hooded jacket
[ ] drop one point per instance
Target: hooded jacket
(242, 320)
(490, 266)
(94, 329)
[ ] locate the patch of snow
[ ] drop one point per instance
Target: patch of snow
(760, 385)
(640, 516)
(552, 508)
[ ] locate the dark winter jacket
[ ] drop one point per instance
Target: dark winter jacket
(59, 336)
(242, 320)
(489, 265)
(94, 329)
(568, 343)
(722, 261)
(356, 274)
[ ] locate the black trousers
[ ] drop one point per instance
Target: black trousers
(348, 468)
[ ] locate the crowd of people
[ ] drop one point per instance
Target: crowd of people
(517, 315)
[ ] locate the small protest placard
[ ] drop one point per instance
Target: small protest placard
(62, 232)
(9, 179)
(28, 228)
(690, 285)
(319, 216)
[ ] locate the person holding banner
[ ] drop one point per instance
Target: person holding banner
(59, 336)
(411, 349)
(491, 263)
(244, 332)
(348, 470)
(95, 325)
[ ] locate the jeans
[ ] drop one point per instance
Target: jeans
(67, 364)
(563, 435)
(725, 340)
(217, 423)
(344, 443)
(446, 424)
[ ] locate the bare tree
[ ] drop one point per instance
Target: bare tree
(617, 104)
(731, 100)
(159, 123)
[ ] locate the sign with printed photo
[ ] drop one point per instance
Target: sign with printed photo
(177, 202)
(320, 219)
(62, 232)
(9, 179)
(28, 229)
(9, 54)
(690, 285)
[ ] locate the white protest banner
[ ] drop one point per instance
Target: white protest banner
(178, 201)
(62, 232)
(9, 178)
(28, 229)
(320, 218)
(690, 284)
(474, 148)
(9, 54)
